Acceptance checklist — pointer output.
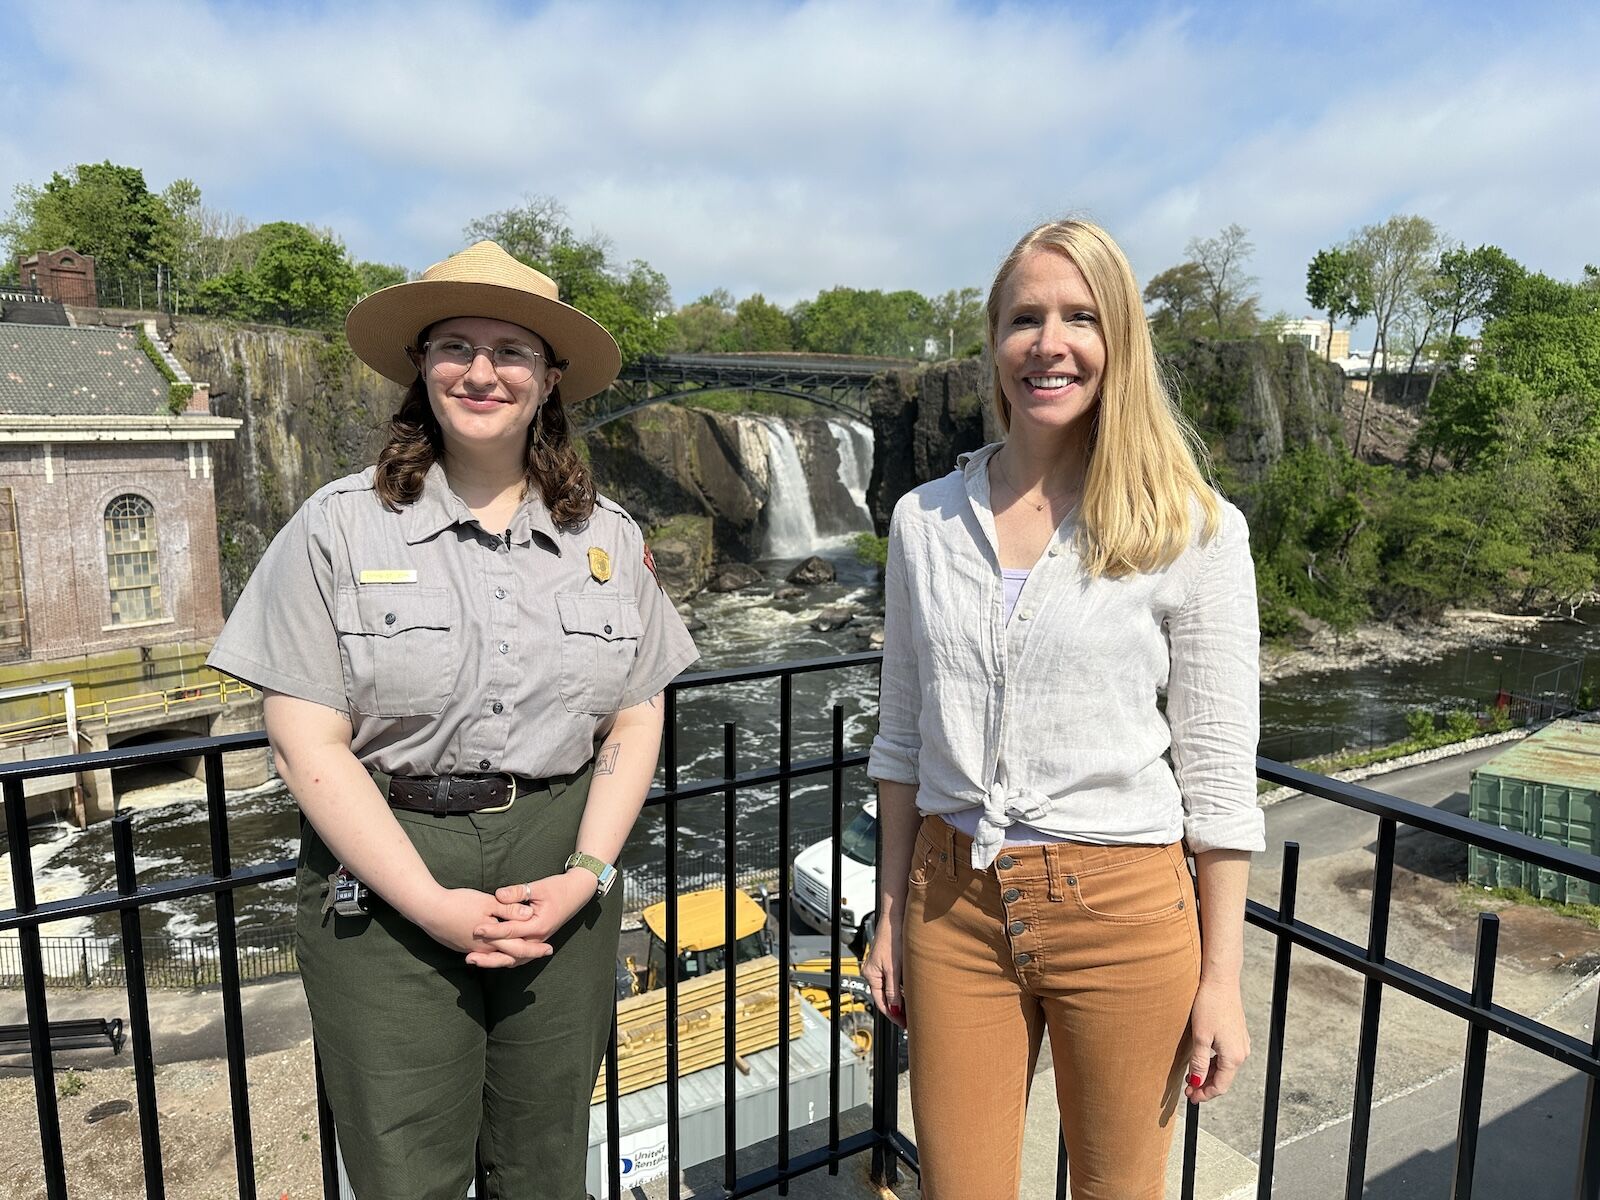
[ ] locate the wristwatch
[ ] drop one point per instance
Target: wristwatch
(603, 871)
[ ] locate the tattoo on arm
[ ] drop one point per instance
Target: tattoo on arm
(605, 762)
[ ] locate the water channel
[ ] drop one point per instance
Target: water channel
(1323, 709)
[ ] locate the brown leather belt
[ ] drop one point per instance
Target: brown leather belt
(450, 795)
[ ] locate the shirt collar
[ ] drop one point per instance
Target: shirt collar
(438, 508)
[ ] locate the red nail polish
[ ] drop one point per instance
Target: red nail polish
(894, 1010)
(1195, 1080)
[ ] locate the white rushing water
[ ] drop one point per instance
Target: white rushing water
(791, 525)
(854, 441)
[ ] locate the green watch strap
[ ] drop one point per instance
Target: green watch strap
(603, 871)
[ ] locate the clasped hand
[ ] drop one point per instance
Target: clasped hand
(511, 927)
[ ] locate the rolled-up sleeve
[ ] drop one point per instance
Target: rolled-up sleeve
(665, 647)
(896, 747)
(1213, 696)
(281, 636)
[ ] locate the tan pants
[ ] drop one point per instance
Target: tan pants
(1100, 945)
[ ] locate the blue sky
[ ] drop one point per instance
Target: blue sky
(784, 148)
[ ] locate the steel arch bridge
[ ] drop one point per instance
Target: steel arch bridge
(832, 381)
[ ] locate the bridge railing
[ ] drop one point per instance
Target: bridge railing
(879, 1134)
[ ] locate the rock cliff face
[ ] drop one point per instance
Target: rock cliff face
(921, 420)
(1254, 399)
(311, 411)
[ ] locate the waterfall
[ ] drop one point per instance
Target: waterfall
(791, 526)
(854, 441)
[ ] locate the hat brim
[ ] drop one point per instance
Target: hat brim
(383, 325)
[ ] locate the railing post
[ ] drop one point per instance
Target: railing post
(228, 969)
(670, 820)
(1278, 1023)
(1589, 1139)
(133, 970)
(730, 989)
(1477, 1050)
(1371, 1012)
(44, 1081)
(785, 996)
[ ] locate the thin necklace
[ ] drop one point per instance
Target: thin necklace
(1005, 475)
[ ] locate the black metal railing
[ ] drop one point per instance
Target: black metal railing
(888, 1147)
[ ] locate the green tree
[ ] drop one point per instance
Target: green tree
(845, 320)
(758, 324)
(1226, 286)
(703, 326)
(297, 277)
(104, 210)
(1396, 258)
(959, 317)
(380, 275)
(1336, 285)
(1179, 294)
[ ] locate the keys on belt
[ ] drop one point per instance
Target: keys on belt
(448, 795)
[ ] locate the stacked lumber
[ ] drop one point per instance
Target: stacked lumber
(642, 1025)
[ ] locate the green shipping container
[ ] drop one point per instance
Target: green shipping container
(1547, 786)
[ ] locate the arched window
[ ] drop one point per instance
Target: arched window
(131, 567)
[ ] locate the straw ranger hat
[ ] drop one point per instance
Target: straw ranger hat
(482, 281)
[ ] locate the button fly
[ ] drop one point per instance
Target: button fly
(1011, 895)
(1018, 927)
(1006, 862)
(1024, 959)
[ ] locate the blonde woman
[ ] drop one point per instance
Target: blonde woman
(1036, 835)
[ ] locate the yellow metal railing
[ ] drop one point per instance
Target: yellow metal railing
(103, 712)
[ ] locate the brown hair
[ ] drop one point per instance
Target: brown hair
(553, 466)
(1146, 463)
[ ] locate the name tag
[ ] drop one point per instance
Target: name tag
(394, 576)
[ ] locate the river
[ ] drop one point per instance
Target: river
(1319, 710)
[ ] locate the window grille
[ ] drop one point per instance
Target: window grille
(131, 564)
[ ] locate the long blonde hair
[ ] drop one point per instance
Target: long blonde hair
(1144, 458)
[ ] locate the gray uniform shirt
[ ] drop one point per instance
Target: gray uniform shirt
(456, 649)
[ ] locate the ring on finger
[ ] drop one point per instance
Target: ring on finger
(527, 893)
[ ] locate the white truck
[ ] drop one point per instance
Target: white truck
(812, 892)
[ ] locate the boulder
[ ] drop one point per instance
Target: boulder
(789, 592)
(835, 616)
(735, 577)
(682, 552)
(812, 571)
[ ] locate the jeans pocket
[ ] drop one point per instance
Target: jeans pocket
(1139, 886)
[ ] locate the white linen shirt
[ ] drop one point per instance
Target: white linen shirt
(1051, 719)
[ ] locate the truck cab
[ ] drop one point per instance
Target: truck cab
(812, 892)
(702, 936)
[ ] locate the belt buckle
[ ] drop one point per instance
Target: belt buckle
(500, 808)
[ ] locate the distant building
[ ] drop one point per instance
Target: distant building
(110, 589)
(63, 275)
(1315, 336)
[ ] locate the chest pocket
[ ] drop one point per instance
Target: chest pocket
(599, 641)
(394, 641)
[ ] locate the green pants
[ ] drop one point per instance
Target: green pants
(424, 1057)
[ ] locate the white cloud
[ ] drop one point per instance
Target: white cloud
(790, 147)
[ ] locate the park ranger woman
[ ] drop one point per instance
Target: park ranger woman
(462, 651)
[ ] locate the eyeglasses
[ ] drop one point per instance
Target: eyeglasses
(452, 356)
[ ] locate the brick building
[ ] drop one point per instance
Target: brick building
(109, 577)
(62, 275)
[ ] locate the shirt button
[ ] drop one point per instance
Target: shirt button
(1054, 551)
(1024, 959)
(483, 764)
(1026, 614)
(1011, 894)
(1018, 927)
(1006, 862)
(498, 708)
(608, 629)
(504, 647)
(499, 593)
(388, 618)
